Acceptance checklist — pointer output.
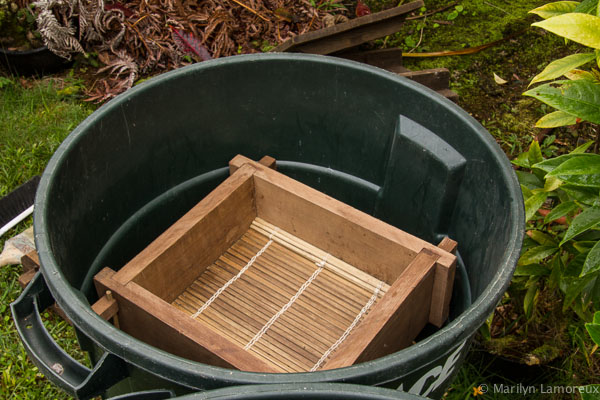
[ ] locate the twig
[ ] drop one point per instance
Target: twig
(251, 10)
(420, 37)
(140, 20)
(136, 30)
(433, 12)
(471, 50)
(495, 6)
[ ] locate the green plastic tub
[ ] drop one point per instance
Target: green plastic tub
(367, 137)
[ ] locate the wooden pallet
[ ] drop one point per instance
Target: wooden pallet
(266, 274)
(350, 34)
(342, 40)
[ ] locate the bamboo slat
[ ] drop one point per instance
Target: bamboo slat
(292, 320)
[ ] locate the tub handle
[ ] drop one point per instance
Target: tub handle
(160, 394)
(60, 368)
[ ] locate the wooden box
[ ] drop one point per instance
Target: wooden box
(267, 274)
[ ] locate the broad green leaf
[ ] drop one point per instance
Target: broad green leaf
(589, 392)
(553, 9)
(529, 180)
(552, 183)
(561, 210)
(529, 300)
(596, 319)
(585, 195)
(583, 246)
(578, 166)
(537, 254)
(551, 163)
(532, 270)
(580, 98)
(542, 238)
(591, 180)
(533, 204)
(527, 193)
(574, 289)
(587, 7)
(535, 153)
(592, 261)
(522, 160)
(582, 148)
(558, 68)
(580, 74)
(581, 223)
(594, 331)
(580, 171)
(557, 271)
(575, 266)
(580, 28)
(556, 119)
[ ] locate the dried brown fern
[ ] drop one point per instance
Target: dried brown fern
(135, 37)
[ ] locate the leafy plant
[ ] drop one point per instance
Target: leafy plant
(576, 98)
(592, 392)
(562, 206)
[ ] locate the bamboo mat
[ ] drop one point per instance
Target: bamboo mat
(287, 306)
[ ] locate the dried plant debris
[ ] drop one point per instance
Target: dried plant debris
(142, 37)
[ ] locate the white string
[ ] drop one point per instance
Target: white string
(235, 278)
(288, 305)
(352, 325)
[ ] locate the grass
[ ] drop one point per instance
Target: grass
(34, 120)
(35, 116)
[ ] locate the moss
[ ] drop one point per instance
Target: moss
(523, 51)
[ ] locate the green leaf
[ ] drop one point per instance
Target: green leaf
(537, 254)
(553, 9)
(452, 15)
(590, 392)
(591, 181)
(596, 319)
(527, 193)
(587, 7)
(583, 246)
(575, 266)
(580, 171)
(522, 160)
(561, 210)
(580, 74)
(580, 28)
(578, 166)
(533, 204)
(529, 300)
(558, 68)
(582, 149)
(580, 98)
(584, 221)
(532, 270)
(552, 183)
(594, 331)
(592, 261)
(535, 153)
(551, 163)
(542, 238)
(556, 119)
(585, 195)
(574, 289)
(557, 271)
(529, 180)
